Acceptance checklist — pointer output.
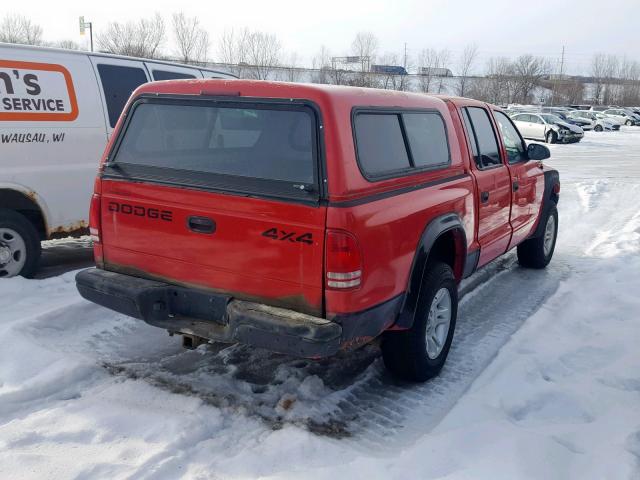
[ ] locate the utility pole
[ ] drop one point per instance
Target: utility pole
(84, 25)
(405, 56)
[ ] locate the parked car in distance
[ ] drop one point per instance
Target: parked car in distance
(584, 123)
(547, 127)
(601, 122)
(308, 219)
(57, 111)
(629, 118)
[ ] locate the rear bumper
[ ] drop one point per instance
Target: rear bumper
(222, 318)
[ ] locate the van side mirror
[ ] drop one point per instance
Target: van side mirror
(535, 151)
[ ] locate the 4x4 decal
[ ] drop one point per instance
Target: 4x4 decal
(276, 234)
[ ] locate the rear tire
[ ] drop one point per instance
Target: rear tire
(628, 123)
(551, 137)
(19, 245)
(598, 128)
(537, 252)
(419, 353)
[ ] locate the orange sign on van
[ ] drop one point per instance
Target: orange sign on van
(32, 91)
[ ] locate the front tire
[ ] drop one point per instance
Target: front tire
(19, 245)
(628, 123)
(537, 252)
(419, 353)
(552, 137)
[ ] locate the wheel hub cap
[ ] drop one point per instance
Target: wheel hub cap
(549, 233)
(438, 323)
(13, 252)
(5, 254)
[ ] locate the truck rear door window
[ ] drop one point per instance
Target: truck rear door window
(118, 82)
(487, 143)
(228, 145)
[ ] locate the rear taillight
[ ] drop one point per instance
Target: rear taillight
(94, 218)
(343, 260)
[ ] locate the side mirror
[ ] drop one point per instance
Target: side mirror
(535, 151)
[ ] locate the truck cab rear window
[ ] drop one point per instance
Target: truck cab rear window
(257, 142)
(398, 143)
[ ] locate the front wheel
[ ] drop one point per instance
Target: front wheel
(628, 123)
(598, 128)
(537, 252)
(419, 353)
(552, 137)
(19, 245)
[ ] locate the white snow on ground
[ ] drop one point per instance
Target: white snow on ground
(545, 382)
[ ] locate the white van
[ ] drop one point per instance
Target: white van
(57, 111)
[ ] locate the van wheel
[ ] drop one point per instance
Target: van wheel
(537, 252)
(419, 353)
(552, 137)
(598, 128)
(19, 245)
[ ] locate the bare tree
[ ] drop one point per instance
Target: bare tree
(138, 39)
(432, 68)
(254, 54)
(365, 46)
(598, 66)
(191, 40)
(528, 71)
(389, 80)
(19, 29)
(497, 86)
(263, 53)
(428, 62)
(445, 58)
(291, 71)
(67, 44)
(465, 65)
(322, 65)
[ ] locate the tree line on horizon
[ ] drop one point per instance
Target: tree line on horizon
(260, 55)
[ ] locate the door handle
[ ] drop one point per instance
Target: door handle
(201, 224)
(516, 186)
(484, 197)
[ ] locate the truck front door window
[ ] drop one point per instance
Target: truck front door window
(513, 143)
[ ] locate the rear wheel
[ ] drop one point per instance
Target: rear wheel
(551, 137)
(537, 252)
(598, 128)
(19, 245)
(628, 123)
(419, 353)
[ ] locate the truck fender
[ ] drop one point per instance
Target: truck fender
(549, 199)
(449, 222)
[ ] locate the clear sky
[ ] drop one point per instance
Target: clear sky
(498, 27)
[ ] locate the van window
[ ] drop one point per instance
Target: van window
(253, 141)
(485, 136)
(118, 82)
(380, 143)
(427, 139)
(167, 75)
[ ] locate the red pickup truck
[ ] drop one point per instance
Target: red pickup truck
(307, 219)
